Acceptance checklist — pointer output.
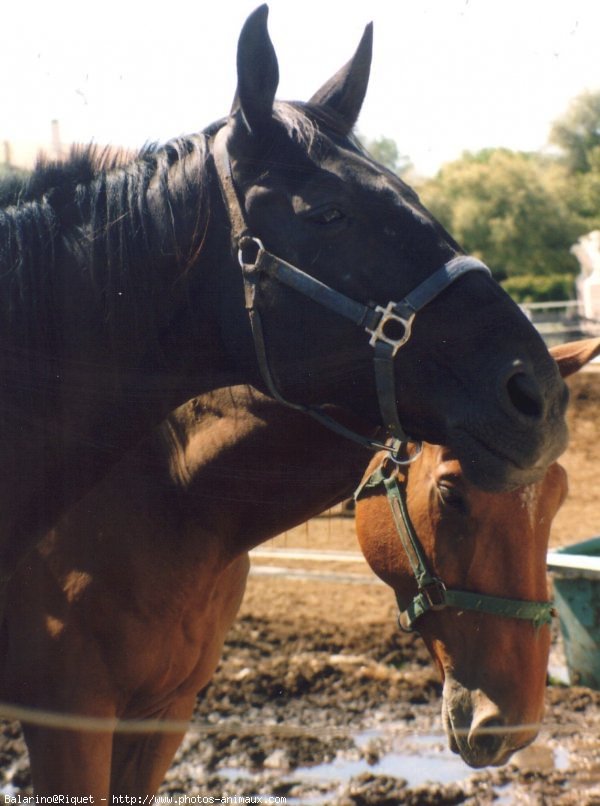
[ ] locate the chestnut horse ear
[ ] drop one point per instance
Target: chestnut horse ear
(257, 72)
(345, 92)
(574, 355)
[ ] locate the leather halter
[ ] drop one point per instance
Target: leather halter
(389, 327)
(432, 592)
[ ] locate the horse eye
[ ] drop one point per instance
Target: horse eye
(328, 215)
(451, 496)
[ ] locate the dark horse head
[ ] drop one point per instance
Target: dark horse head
(122, 296)
(459, 361)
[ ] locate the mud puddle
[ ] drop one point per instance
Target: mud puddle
(349, 715)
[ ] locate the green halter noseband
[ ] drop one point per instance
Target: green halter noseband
(432, 592)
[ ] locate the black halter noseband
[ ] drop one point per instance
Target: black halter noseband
(389, 327)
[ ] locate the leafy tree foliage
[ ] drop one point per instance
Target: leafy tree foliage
(521, 212)
(385, 151)
(539, 288)
(577, 133)
(514, 210)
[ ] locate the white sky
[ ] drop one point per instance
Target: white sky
(447, 75)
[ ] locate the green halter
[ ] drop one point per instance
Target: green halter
(432, 592)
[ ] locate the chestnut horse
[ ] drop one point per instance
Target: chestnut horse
(270, 250)
(469, 572)
(121, 611)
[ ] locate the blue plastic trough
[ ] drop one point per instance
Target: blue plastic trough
(576, 574)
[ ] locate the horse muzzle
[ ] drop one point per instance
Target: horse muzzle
(478, 730)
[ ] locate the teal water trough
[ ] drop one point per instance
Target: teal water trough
(575, 573)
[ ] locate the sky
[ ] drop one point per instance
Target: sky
(447, 75)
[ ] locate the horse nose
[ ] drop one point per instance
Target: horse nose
(521, 394)
(486, 740)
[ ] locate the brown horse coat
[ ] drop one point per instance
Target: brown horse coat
(122, 611)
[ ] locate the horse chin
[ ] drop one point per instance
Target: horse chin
(492, 470)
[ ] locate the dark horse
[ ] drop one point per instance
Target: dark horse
(123, 296)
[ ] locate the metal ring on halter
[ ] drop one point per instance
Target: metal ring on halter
(393, 453)
(259, 248)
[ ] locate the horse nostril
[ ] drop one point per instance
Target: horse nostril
(525, 395)
(486, 739)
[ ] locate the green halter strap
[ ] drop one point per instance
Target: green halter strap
(432, 592)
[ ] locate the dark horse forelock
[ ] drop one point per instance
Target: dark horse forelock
(91, 211)
(299, 126)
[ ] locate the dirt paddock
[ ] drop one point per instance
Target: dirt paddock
(319, 699)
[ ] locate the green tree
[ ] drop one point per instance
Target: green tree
(515, 210)
(539, 288)
(385, 151)
(589, 198)
(577, 133)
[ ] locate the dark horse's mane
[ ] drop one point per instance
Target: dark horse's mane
(91, 213)
(83, 227)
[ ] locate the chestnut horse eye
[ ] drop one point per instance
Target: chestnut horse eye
(452, 496)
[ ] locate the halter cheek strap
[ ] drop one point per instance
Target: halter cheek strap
(432, 592)
(389, 327)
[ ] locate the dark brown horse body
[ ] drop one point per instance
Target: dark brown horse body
(123, 609)
(121, 612)
(123, 297)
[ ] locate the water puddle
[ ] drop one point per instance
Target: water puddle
(418, 759)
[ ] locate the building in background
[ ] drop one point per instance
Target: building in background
(587, 252)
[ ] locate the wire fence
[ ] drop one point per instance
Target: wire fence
(91, 724)
(99, 724)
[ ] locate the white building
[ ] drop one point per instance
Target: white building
(587, 252)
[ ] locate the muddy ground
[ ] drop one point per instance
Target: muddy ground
(319, 699)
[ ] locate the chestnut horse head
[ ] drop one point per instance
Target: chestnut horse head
(468, 568)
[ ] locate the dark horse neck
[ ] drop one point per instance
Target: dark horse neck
(110, 319)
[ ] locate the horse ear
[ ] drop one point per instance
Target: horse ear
(345, 92)
(257, 72)
(574, 355)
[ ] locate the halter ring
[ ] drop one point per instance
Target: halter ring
(244, 243)
(388, 314)
(393, 453)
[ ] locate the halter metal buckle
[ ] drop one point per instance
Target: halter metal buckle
(389, 315)
(249, 252)
(404, 622)
(394, 452)
(435, 593)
